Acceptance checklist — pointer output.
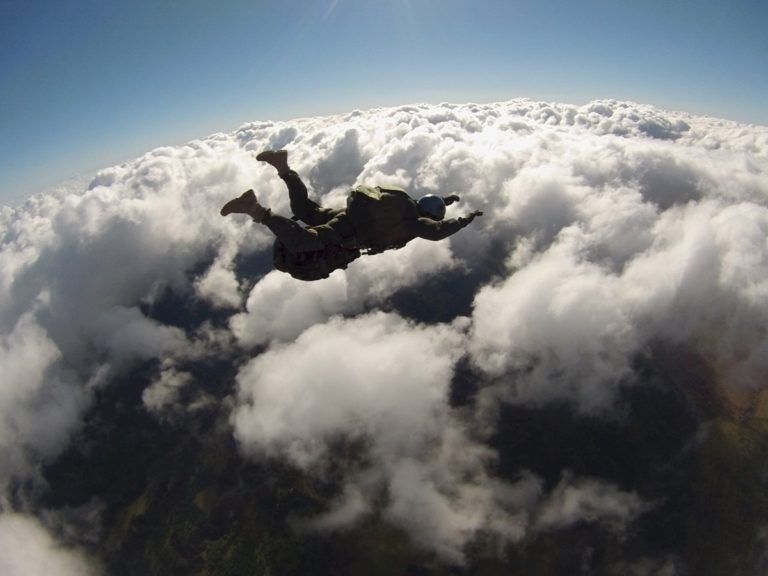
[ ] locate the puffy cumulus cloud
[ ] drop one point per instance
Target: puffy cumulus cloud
(610, 168)
(373, 373)
(446, 507)
(280, 307)
(28, 549)
(622, 224)
(560, 325)
(38, 407)
(383, 382)
(164, 391)
(219, 285)
(627, 229)
(81, 270)
(606, 227)
(704, 283)
(588, 500)
(566, 323)
(78, 269)
(127, 334)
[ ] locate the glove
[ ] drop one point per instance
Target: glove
(466, 220)
(451, 199)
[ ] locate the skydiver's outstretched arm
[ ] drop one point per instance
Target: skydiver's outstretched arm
(438, 230)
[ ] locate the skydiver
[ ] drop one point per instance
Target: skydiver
(376, 219)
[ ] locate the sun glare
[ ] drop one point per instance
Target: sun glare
(402, 5)
(330, 8)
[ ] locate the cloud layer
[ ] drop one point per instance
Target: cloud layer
(27, 549)
(607, 228)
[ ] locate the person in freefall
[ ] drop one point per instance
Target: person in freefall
(376, 219)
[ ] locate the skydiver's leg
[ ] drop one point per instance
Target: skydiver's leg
(303, 208)
(295, 237)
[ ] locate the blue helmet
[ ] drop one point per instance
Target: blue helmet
(432, 206)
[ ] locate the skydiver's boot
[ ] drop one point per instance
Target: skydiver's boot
(246, 203)
(278, 159)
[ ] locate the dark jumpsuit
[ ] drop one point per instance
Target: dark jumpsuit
(326, 226)
(329, 227)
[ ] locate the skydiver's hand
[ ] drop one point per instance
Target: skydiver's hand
(465, 220)
(451, 199)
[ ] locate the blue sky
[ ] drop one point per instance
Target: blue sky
(89, 83)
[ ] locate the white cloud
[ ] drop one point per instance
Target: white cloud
(568, 321)
(38, 409)
(28, 549)
(280, 307)
(560, 325)
(588, 500)
(447, 502)
(127, 334)
(383, 381)
(621, 224)
(374, 375)
(219, 285)
(622, 239)
(164, 391)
